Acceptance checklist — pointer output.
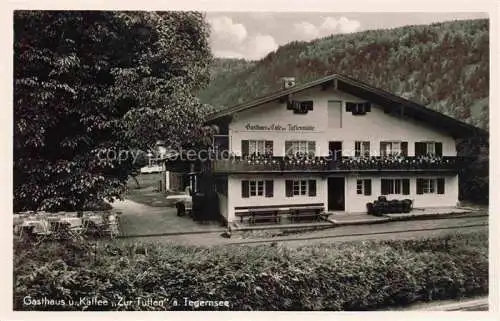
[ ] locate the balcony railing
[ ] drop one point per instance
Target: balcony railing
(326, 164)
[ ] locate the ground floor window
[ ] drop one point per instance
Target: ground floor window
(430, 185)
(257, 188)
(300, 188)
(364, 187)
(395, 186)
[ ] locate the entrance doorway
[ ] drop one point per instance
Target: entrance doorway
(336, 200)
(335, 149)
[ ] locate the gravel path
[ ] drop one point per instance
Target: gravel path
(385, 231)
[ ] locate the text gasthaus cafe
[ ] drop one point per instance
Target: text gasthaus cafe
(330, 145)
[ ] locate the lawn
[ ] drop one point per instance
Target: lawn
(353, 276)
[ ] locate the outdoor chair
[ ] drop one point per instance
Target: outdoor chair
(106, 227)
(26, 232)
(43, 231)
(64, 231)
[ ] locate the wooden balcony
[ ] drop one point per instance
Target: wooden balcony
(327, 165)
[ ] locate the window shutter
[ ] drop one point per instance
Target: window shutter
(439, 149)
(404, 148)
(382, 149)
(368, 106)
(384, 188)
(357, 149)
(311, 147)
(244, 148)
(406, 186)
(420, 149)
(289, 188)
(420, 187)
(349, 106)
(288, 148)
(440, 185)
(368, 186)
(307, 105)
(312, 187)
(245, 189)
(269, 188)
(289, 104)
(269, 146)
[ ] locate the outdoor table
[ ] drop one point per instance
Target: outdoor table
(40, 225)
(73, 221)
(96, 219)
(18, 220)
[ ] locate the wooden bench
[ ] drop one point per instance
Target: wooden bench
(273, 213)
(307, 213)
(259, 215)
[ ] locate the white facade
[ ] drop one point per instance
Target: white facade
(327, 122)
(331, 122)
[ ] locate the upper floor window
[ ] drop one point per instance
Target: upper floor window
(257, 188)
(300, 107)
(256, 147)
(393, 148)
(428, 149)
(358, 108)
(300, 188)
(362, 149)
(430, 185)
(301, 147)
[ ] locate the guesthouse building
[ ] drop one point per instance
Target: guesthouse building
(333, 145)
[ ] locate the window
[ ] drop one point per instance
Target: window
(300, 107)
(364, 187)
(430, 185)
(257, 188)
(300, 188)
(393, 148)
(358, 108)
(395, 186)
(362, 149)
(256, 147)
(428, 149)
(294, 147)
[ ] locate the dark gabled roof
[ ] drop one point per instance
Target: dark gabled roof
(396, 105)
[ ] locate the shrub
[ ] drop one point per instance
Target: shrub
(346, 276)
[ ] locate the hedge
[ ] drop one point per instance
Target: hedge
(344, 276)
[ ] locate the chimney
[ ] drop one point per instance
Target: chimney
(287, 82)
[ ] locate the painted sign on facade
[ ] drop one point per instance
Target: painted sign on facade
(279, 127)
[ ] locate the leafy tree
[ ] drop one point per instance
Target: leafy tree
(88, 87)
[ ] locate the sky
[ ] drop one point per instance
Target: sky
(252, 35)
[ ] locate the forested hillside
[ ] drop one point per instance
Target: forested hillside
(444, 66)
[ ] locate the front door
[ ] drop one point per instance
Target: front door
(336, 200)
